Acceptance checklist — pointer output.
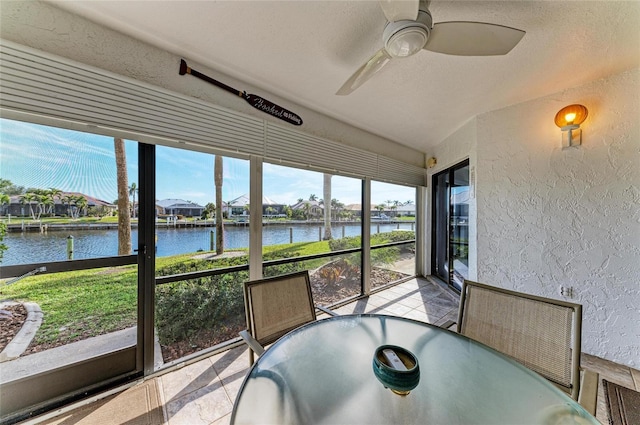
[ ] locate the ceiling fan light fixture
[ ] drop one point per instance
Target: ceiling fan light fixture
(406, 38)
(406, 42)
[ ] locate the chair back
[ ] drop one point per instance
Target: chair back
(276, 305)
(541, 333)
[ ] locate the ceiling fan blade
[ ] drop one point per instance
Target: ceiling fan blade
(472, 39)
(398, 10)
(366, 71)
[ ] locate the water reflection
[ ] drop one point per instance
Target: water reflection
(34, 247)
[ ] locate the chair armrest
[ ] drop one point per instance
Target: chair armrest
(326, 310)
(588, 395)
(252, 342)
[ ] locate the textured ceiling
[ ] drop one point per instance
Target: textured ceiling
(305, 50)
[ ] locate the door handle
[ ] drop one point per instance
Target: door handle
(144, 250)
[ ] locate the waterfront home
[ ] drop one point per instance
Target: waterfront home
(404, 210)
(238, 206)
(63, 204)
(179, 207)
(308, 209)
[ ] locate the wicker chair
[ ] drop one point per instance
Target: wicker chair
(274, 306)
(541, 333)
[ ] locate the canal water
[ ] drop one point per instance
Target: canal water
(35, 247)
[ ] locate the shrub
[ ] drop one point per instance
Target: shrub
(183, 308)
(3, 247)
(345, 243)
(396, 236)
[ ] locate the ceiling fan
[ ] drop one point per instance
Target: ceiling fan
(410, 29)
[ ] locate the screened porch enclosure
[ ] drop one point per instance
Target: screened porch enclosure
(186, 298)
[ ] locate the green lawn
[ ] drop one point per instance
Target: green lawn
(85, 303)
(80, 304)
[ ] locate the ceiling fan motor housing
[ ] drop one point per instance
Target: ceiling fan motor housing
(405, 38)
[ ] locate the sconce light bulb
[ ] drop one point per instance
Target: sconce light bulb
(570, 117)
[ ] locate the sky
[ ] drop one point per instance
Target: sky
(36, 156)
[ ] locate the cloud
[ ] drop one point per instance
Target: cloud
(35, 155)
(51, 139)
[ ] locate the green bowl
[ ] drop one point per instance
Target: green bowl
(399, 381)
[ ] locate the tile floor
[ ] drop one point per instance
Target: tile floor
(203, 392)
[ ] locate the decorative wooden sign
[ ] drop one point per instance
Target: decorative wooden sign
(254, 100)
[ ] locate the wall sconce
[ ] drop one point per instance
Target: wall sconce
(569, 119)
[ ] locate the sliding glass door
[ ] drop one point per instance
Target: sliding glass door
(450, 240)
(68, 264)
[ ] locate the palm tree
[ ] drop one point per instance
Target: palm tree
(133, 189)
(81, 205)
(67, 200)
(47, 203)
(53, 194)
(23, 201)
(394, 207)
(313, 197)
(124, 218)
(336, 207)
(307, 210)
(217, 173)
(28, 198)
(326, 193)
(41, 198)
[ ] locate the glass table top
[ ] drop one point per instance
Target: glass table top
(322, 373)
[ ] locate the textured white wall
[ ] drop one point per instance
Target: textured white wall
(548, 217)
(44, 27)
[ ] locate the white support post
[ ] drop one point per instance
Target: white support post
(366, 236)
(255, 218)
